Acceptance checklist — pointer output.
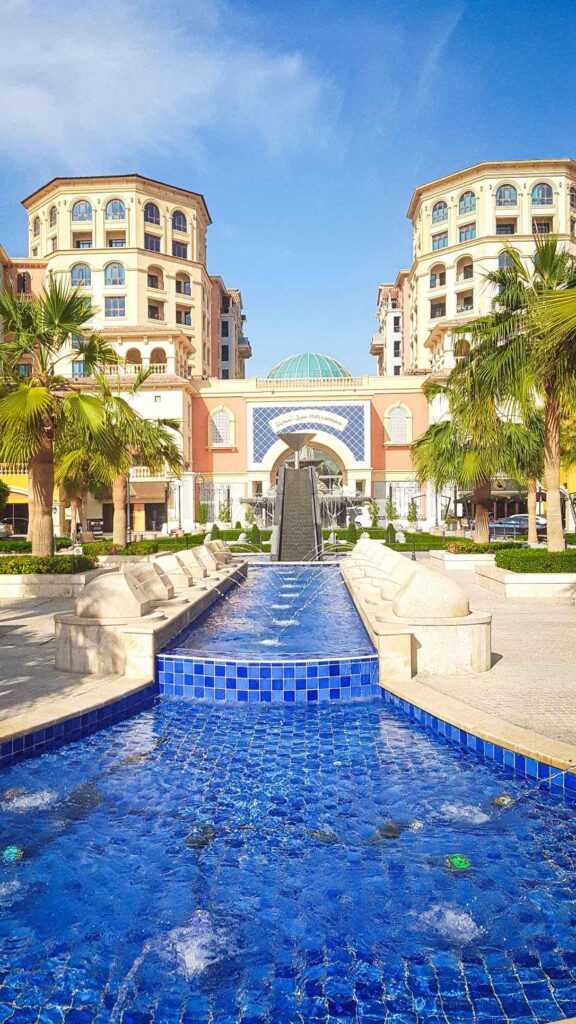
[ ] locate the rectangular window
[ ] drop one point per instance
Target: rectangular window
(465, 303)
(396, 324)
(224, 329)
(76, 340)
(154, 311)
(225, 374)
(180, 249)
(83, 242)
(115, 305)
(183, 288)
(225, 353)
(397, 371)
(118, 242)
(77, 368)
(505, 227)
(153, 281)
(225, 304)
(152, 242)
(541, 227)
(437, 309)
(24, 369)
(396, 349)
(467, 232)
(184, 316)
(53, 245)
(573, 225)
(440, 241)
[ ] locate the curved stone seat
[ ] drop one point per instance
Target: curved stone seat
(428, 594)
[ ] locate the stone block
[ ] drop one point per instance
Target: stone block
(114, 596)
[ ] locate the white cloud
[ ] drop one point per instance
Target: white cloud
(440, 36)
(94, 81)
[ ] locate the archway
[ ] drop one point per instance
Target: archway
(330, 468)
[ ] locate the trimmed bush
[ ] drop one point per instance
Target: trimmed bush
(255, 537)
(468, 547)
(17, 546)
(390, 534)
(27, 565)
(351, 532)
(215, 532)
(534, 560)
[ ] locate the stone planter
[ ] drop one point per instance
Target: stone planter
(557, 587)
(28, 585)
(461, 563)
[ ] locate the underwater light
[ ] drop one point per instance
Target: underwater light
(503, 800)
(457, 862)
(11, 854)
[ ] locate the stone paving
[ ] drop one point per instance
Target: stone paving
(532, 683)
(33, 693)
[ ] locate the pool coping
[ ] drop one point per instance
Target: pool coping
(485, 726)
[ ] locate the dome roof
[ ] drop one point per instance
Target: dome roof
(306, 366)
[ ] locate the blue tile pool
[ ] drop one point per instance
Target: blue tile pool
(290, 634)
(195, 865)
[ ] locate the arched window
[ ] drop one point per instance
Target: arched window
(439, 212)
(80, 276)
(572, 197)
(438, 276)
(464, 269)
(542, 194)
(155, 278)
(82, 210)
(36, 226)
(467, 203)
(158, 358)
(183, 286)
(505, 261)
(151, 214)
(115, 210)
(506, 195)
(398, 425)
(53, 216)
(23, 284)
(221, 429)
(134, 357)
(179, 222)
(114, 275)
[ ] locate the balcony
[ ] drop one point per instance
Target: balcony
(377, 344)
(464, 307)
(244, 347)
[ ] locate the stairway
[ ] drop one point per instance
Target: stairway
(300, 538)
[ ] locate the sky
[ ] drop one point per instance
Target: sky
(306, 125)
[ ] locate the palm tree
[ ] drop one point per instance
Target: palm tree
(476, 442)
(518, 354)
(34, 410)
(142, 442)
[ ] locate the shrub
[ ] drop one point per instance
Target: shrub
(93, 548)
(255, 537)
(224, 512)
(374, 513)
(215, 532)
(468, 547)
(351, 532)
(535, 560)
(390, 534)
(202, 513)
(238, 525)
(4, 495)
(28, 564)
(390, 510)
(412, 512)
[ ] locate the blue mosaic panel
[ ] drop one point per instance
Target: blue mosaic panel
(76, 728)
(546, 776)
(280, 682)
(263, 436)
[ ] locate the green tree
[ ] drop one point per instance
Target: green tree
(352, 532)
(202, 513)
(374, 513)
(412, 512)
(4, 495)
(524, 352)
(390, 510)
(35, 410)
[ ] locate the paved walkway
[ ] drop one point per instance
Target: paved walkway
(33, 693)
(533, 679)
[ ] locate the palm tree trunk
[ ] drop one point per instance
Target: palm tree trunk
(532, 487)
(84, 511)
(119, 498)
(42, 479)
(30, 505)
(480, 498)
(74, 521)
(61, 512)
(555, 533)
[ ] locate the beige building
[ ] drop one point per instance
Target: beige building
(461, 224)
(230, 346)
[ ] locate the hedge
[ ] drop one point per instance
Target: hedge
(144, 547)
(535, 560)
(60, 564)
(15, 546)
(468, 547)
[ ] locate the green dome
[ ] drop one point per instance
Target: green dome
(308, 365)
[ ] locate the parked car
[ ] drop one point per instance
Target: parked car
(515, 526)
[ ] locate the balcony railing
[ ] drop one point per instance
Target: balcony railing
(13, 469)
(132, 369)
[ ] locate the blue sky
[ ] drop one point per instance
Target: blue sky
(305, 124)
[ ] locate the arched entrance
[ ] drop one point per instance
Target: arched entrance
(330, 468)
